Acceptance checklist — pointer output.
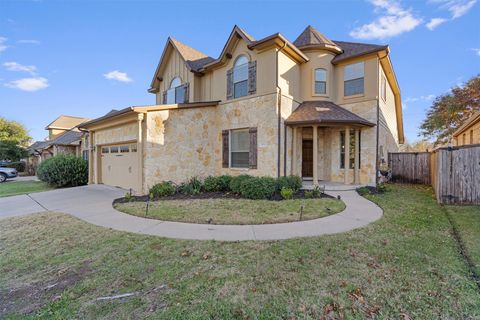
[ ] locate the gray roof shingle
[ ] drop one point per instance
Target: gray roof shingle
(324, 112)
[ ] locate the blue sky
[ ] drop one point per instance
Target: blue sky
(85, 58)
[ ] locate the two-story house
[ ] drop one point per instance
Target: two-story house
(325, 110)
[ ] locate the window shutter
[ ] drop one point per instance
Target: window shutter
(252, 155)
(186, 87)
(225, 150)
(229, 84)
(252, 77)
(164, 98)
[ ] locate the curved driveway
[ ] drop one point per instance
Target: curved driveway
(93, 204)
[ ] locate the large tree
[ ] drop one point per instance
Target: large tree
(450, 110)
(14, 139)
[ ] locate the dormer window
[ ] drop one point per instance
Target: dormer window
(353, 78)
(240, 77)
(320, 81)
(176, 92)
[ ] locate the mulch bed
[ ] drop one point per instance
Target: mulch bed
(209, 195)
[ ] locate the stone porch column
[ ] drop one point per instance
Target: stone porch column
(294, 151)
(357, 157)
(140, 152)
(347, 154)
(315, 155)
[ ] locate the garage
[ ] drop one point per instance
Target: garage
(119, 165)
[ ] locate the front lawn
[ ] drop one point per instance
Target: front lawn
(233, 211)
(13, 188)
(404, 266)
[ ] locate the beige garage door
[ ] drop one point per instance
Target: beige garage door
(120, 165)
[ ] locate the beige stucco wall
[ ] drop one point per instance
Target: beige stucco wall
(318, 59)
(473, 130)
(388, 131)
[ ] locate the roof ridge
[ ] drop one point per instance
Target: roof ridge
(177, 42)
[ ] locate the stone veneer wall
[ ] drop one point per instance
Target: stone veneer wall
(183, 143)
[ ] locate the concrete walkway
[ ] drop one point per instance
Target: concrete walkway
(93, 204)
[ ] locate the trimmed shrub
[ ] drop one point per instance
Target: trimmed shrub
(63, 171)
(192, 186)
(258, 188)
(289, 182)
(162, 189)
(236, 182)
(287, 193)
(216, 184)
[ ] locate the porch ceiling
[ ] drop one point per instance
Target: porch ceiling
(326, 113)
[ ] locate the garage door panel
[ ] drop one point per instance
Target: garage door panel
(120, 166)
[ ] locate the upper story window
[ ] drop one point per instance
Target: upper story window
(384, 88)
(176, 92)
(240, 77)
(353, 78)
(320, 81)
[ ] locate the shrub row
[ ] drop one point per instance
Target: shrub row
(244, 185)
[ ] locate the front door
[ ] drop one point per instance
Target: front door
(307, 158)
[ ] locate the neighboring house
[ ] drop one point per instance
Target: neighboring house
(469, 131)
(325, 110)
(64, 137)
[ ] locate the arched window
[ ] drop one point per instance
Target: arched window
(176, 92)
(320, 81)
(240, 77)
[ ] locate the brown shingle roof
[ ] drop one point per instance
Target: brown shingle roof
(324, 112)
(194, 58)
(311, 38)
(355, 49)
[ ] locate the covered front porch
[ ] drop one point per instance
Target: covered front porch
(327, 146)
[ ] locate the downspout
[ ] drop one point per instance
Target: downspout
(279, 110)
(378, 135)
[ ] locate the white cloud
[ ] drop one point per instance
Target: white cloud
(29, 84)
(14, 66)
(393, 21)
(117, 76)
(477, 51)
(3, 45)
(426, 98)
(435, 22)
(457, 8)
(28, 41)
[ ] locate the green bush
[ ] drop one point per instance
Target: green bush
(162, 189)
(258, 188)
(309, 194)
(63, 171)
(287, 193)
(290, 182)
(214, 184)
(236, 182)
(192, 186)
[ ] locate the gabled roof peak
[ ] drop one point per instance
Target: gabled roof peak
(310, 38)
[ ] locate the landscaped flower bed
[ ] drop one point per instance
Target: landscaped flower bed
(231, 200)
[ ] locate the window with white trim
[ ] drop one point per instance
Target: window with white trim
(239, 148)
(240, 77)
(176, 93)
(320, 81)
(353, 77)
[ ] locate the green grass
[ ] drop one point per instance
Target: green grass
(467, 219)
(405, 263)
(234, 211)
(13, 188)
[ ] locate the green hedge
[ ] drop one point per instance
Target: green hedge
(216, 184)
(289, 182)
(258, 188)
(162, 189)
(63, 171)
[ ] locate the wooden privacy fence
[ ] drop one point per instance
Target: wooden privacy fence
(456, 174)
(453, 172)
(410, 167)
